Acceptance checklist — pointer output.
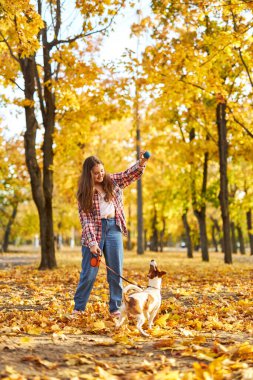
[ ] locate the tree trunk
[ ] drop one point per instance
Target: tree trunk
(215, 243)
(41, 191)
(7, 231)
(140, 247)
(233, 238)
(129, 242)
(250, 230)
(145, 240)
(201, 217)
(154, 238)
(216, 227)
(241, 240)
(199, 207)
(162, 234)
(48, 261)
(223, 196)
(187, 236)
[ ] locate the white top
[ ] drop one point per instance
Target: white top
(106, 208)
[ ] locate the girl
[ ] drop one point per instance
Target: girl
(103, 221)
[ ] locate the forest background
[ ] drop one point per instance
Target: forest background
(189, 77)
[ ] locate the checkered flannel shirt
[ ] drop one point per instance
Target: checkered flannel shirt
(91, 221)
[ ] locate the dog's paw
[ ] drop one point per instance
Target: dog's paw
(119, 322)
(143, 333)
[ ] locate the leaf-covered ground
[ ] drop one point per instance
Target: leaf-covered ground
(204, 329)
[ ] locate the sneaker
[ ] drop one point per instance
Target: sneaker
(76, 313)
(115, 314)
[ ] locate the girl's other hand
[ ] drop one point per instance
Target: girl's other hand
(95, 250)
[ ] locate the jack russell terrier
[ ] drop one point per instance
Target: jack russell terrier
(142, 304)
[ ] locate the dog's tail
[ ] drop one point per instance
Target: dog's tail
(129, 290)
(126, 297)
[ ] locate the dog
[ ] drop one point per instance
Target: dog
(142, 304)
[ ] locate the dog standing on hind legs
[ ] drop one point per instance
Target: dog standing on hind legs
(142, 304)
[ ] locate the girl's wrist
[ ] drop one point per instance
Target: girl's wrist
(142, 161)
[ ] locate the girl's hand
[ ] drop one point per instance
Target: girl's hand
(142, 158)
(95, 250)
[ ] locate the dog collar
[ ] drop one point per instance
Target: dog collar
(153, 287)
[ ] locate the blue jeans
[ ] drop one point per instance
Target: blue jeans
(112, 245)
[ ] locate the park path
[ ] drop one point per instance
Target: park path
(8, 260)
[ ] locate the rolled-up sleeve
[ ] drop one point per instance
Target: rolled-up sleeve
(130, 175)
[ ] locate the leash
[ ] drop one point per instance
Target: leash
(123, 278)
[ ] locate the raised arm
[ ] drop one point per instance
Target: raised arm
(130, 175)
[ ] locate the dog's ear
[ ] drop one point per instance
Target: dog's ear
(153, 265)
(162, 273)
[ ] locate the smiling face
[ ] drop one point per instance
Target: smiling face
(97, 174)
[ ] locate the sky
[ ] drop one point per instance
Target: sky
(113, 46)
(120, 39)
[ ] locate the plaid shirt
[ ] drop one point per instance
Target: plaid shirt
(91, 221)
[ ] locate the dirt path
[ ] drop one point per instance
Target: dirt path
(97, 356)
(13, 260)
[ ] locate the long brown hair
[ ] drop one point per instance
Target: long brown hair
(85, 189)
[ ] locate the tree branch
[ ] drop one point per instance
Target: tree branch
(13, 81)
(205, 129)
(196, 85)
(240, 123)
(40, 94)
(9, 48)
(81, 35)
(239, 49)
(214, 55)
(181, 129)
(58, 17)
(246, 67)
(205, 171)
(57, 71)
(232, 86)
